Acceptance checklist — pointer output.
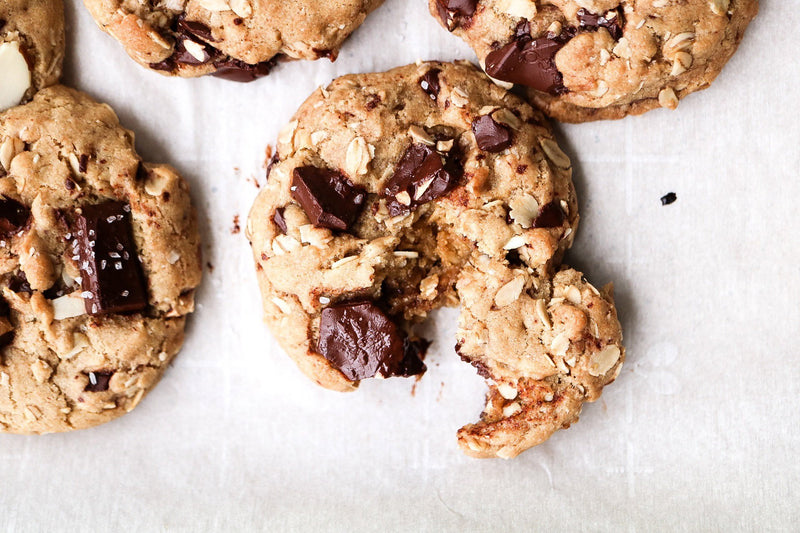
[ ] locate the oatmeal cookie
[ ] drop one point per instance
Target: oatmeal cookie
(235, 39)
(397, 193)
(582, 60)
(99, 259)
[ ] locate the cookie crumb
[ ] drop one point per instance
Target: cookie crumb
(210, 267)
(669, 198)
(236, 227)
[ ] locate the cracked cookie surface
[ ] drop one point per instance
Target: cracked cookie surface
(235, 39)
(396, 193)
(31, 48)
(99, 259)
(582, 60)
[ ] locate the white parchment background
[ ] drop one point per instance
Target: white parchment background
(700, 432)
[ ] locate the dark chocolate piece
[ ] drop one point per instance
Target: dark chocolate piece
(423, 174)
(13, 216)
(490, 135)
(362, 342)
(430, 83)
(452, 11)
(529, 62)
(98, 381)
(668, 198)
(236, 70)
(613, 21)
(18, 282)
(111, 278)
(550, 216)
(192, 27)
(329, 199)
(278, 219)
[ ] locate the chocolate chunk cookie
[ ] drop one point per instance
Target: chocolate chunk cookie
(583, 60)
(239, 40)
(31, 48)
(397, 193)
(99, 259)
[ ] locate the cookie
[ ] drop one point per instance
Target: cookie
(582, 60)
(393, 194)
(99, 259)
(239, 40)
(31, 48)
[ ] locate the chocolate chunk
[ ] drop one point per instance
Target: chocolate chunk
(236, 70)
(362, 342)
(490, 135)
(13, 216)
(83, 163)
(192, 27)
(430, 83)
(452, 11)
(184, 56)
(613, 21)
(278, 219)
(98, 381)
(550, 216)
(529, 62)
(421, 175)
(111, 278)
(18, 282)
(668, 198)
(329, 199)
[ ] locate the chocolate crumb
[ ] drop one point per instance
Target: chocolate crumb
(669, 198)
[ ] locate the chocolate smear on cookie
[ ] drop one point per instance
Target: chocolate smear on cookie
(490, 135)
(103, 246)
(422, 175)
(329, 199)
(362, 342)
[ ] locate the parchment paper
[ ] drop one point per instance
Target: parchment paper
(700, 432)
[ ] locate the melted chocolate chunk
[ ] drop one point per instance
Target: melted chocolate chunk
(236, 70)
(111, 278)
(362, 342)
(668, 198)
(18, 282)
(490, 135)
(13, 216)
(329, 199)
(550, 216)
(98, 381)
(278, 219)
(198, 29)
(529, 62)
(613, 21)
(430, 83)
(422, 175)
(451, 11)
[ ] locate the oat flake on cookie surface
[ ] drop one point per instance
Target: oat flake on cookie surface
(393, 194)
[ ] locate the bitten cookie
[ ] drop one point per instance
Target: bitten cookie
(583, 60)
(397, 193)
(31, 48)
(236, 39)
(99, 259)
